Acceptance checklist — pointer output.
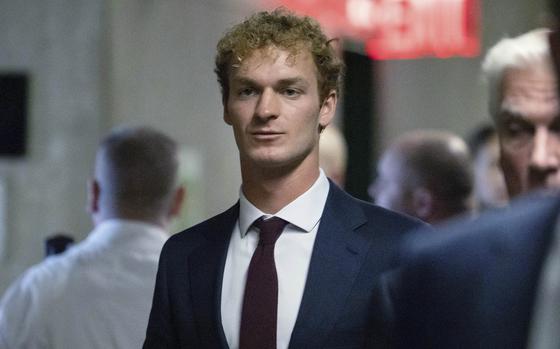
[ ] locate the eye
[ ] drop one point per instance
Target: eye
(517, 132)
(291, 92)
(518, 127)
(555, 126)
(246, 92)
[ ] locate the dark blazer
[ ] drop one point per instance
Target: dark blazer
(355, 243)
(474, 285)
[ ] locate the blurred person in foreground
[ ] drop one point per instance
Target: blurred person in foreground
(293, 263)
(493, 283)
(426, 174)
(489, 185)
(97, 294)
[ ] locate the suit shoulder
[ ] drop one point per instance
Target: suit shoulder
(221, 223)
(375, 217)
(384, 217)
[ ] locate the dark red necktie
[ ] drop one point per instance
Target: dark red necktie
(260, 301)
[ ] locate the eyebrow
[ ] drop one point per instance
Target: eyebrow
(281, 82)
(507, 115)
(513, 116)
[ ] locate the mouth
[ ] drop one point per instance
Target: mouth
(266, 135)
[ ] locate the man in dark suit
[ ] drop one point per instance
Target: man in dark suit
(476, 285)
(312, 288)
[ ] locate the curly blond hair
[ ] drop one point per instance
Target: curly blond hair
(287, 31)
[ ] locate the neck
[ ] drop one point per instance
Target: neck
(270, 189)
(132, 216)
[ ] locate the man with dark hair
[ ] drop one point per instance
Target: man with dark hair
(97, 294)
(426, 174)
(294, 262)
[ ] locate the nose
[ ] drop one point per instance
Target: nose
(267, 105)
(545, 148)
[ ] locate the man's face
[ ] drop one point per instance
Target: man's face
(274, 109)
(529, 129)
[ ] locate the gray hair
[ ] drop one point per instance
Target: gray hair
(519, 52)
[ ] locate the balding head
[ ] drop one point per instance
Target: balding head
(136, 173)
(426, 174)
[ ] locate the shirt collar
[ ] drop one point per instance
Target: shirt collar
(304, 212)
(110, 229)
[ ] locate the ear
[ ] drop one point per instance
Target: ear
(423, 202)
(226, 113)
(227, 119)
(326, 113)
(177, 201)
(94, 190)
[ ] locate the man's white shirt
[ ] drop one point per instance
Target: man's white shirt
(292, 255)
(96, 295)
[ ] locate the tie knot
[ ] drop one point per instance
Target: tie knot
(269, 229)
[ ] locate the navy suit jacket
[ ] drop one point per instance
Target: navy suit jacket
(355, 243)
(474, 285)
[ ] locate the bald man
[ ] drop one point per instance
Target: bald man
(426, 174)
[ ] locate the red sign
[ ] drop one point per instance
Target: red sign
(400, 29)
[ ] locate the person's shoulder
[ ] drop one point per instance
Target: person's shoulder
(191, 237)
(388, 217)
(38, 288)
(376, 216)
(46, 275)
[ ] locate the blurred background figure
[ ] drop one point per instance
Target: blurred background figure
(426, 174)
(333, 154)
(489, 186)
(98, 293)
(57, 243)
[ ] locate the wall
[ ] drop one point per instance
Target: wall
(58, 44)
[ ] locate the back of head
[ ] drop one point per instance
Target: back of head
(520, 52)
(136, 169)
(284, 30)
(439, 162)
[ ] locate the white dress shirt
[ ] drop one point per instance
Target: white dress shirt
(292, 255)
(95, 295)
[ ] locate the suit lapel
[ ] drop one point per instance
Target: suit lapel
(337, 256)
(206, 265)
